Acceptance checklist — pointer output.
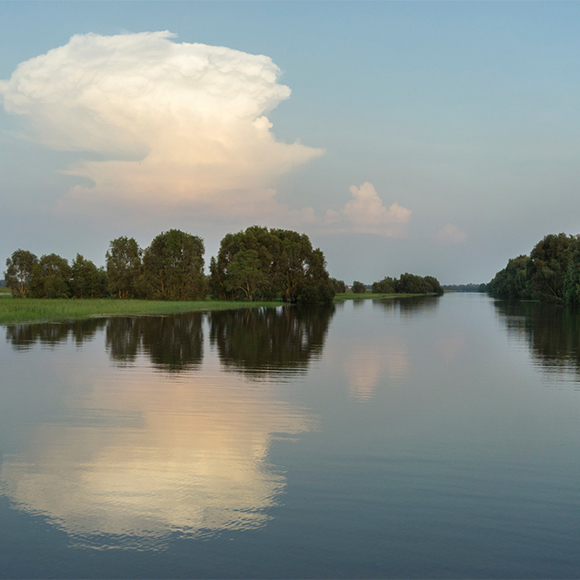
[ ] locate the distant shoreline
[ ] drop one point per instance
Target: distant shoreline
(16, 311)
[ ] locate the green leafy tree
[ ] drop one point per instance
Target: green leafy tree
(339, 286)
(548, 267)
(51, 277)
(260, 263)
(173, 267)
(358, 287)
(512, 282)
(259, 250)
(245, 274)
(385, 286)
(19, 272)
(572, 278)
(87, 281)
(124, 268)
(434, 285)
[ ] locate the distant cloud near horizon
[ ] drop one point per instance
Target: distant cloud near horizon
(367, 214)
(451, 234)
(176, 127)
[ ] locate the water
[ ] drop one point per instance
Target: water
(431, 437)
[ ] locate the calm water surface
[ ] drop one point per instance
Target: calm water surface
(434, 437)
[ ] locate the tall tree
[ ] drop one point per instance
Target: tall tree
(124, 268)
(51, 277)
(259, 263)
(339, 286)
(173, 267)
(19, 272)
(87, 281)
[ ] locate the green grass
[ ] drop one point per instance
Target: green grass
(13, 310)
(41, 309)
(4, 290)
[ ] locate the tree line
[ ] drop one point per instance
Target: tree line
(464, 287)
(407, 284)
(256, 264)
(551, 273)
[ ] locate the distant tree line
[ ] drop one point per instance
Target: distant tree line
(407, 284)
(464, 287)
(551, 273)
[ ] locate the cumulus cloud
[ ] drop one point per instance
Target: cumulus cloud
(173, 125)
(367, 214)
(451, 234)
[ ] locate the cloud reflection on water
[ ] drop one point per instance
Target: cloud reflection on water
(142, 454)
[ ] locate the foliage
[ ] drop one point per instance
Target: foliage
(339, 286)
(88, 281)
(547, 268)
(386, 286)
(50, 278)
(19, 272)
(358, 287)
(408, 284)
(124, 268)
(512, 282)
(258, 264)
(464, 287)
(550, 274)
(173, 267)
(572, 279)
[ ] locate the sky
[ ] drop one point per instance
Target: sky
(437, 138)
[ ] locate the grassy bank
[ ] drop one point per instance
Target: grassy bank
(40, 309)
(14, 310)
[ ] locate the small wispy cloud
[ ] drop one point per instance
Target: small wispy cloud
(451, 234)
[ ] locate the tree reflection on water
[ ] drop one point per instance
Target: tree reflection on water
(551, 332)
(24, 336)
(408, 306)
(173, 343)
(266, 342)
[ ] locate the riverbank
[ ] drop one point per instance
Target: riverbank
(48, 310)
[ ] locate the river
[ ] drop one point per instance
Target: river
(411, 438)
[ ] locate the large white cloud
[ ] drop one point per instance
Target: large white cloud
(175, 125)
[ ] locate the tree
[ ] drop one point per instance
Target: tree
(572, 279)
(173, 267)
(435, 286)
(358, 287)
(258, 246)
(386, 286)
(548, 266)
(51, 277)
(259, 263)
(87, 281)
(19, 272)
(245, 274)
(512, 282)
(339, 286)
(124, 268)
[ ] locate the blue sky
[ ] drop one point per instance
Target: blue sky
(464, 115)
